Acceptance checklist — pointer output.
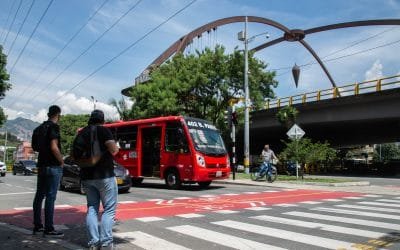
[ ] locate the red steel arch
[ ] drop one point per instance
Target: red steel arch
(291, 35)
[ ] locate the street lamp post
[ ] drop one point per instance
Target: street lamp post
(242, 36)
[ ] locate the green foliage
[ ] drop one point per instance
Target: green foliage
(287, 116)
(122, 108)
(69, 125)
(4, 85)
(387, 152)
(305, 151)
(200, 85)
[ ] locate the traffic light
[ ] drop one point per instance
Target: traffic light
(228, 116)
(234, 118)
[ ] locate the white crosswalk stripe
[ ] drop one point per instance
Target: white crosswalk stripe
(287, 235)
(369, 223)
(221, 238)
(148, 241)
(359, 213)
(388, 200)
(380, 209)
(325, 227)
(378, 204)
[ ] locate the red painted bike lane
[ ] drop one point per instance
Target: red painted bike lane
(165, 208)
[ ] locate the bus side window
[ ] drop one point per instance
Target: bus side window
(126, 137)
(175, 139)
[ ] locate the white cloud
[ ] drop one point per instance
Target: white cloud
(375, 72)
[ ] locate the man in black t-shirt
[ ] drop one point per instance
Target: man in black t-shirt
(50, 164)
(100, 184)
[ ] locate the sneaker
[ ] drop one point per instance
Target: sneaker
(37, 229)
(109, 247)
(94, 247)
(53, 233)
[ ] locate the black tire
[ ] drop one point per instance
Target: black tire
(204, 184)
(14, 172)
(122, 191)
(62, 187)
(81, 189)
(137, 181)
(3, 174)
(274, 174)
(254, 173)
(172, 179)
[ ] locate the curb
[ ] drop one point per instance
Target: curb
(260, 183)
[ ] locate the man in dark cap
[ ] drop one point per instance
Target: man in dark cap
(100, 185)
(50, 164)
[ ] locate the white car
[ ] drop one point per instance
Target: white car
(3, 168)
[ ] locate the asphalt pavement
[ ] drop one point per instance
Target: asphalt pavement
(13, 237)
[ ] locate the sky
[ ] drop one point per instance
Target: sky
(81, 54)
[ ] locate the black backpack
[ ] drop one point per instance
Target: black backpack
(40, 138)
(86, 150)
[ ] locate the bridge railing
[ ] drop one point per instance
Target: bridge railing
(346, 90)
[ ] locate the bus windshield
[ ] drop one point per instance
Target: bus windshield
(206, 138)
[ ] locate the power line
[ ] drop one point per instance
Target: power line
(88, 48)
(348, 55)
(33, 32)
(12, 23)
(125, 50)
(20, 27)
(337, 51)
(59, 52)
(8, 18)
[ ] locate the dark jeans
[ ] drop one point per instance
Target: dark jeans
(48, 181)
(265, 168)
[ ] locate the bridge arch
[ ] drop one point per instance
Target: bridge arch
(291, 35)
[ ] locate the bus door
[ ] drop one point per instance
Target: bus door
(176, 151)
(150, 158)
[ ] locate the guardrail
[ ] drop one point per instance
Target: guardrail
(354, 89)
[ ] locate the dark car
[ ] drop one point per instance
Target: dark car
(71, 178)
(25, 167)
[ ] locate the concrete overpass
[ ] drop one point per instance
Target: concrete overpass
(354, 118)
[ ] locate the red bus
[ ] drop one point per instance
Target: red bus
(175, 148)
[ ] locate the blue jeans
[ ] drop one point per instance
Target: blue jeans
(48, 181)
(106, 191)
(265, 168)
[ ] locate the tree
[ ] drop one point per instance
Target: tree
(387, 152)
(201, 85)
(69, 125)
(122, 108)
(4, 85)
(305, 151)
(287, 116)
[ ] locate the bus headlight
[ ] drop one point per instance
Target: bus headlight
(200, 161)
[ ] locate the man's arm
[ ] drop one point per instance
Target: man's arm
(112, 147)
(56, 151)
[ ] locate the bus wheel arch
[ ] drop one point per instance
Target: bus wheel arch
(172, 178)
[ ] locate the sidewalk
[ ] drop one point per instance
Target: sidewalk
(16, 238)
(355, 186)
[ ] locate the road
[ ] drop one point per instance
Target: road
(223, 217)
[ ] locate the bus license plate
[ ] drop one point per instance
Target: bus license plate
(218, 174)
(119, 181)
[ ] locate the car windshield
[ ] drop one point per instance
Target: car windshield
(206, 137)
(29, 163)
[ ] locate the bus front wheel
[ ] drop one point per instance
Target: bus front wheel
(172, 179)
(204, 184)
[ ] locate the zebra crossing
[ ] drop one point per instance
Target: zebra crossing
(371, 222)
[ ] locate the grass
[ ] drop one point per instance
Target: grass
(293, 178)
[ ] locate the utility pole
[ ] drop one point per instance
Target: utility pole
(5, 147)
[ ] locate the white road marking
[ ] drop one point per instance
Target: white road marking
(380, 209)
(381, 204)
(23, 208)
(325, 227)
(372, 195)
(182, 198)
(369, 223)
(311, 202)
(189, 216)
(353, 198)
(287, 235)
(154, 199)
(127, 202)
(147, 241)
(359, 213)
(62, 206)
(221, 238)
(333, 200)
(258, 208)
(251, 192)
(388, 200)
(285, 205)
(149, 219)
(226, 212)
(230, 194)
